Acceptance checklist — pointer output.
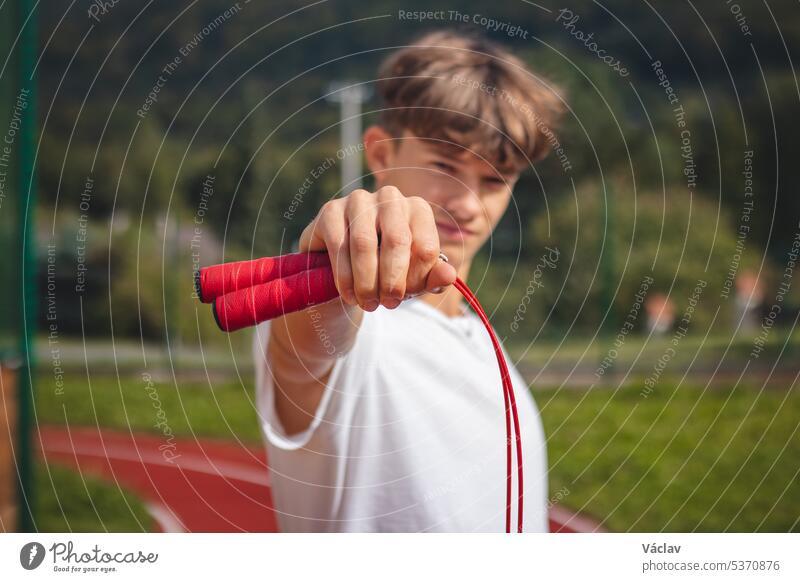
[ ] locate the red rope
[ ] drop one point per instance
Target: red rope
(249, 292)
(510, 409)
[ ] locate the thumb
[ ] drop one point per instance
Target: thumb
(441, 275)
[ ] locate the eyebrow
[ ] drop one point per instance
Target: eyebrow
(457, 152)
(446, 149)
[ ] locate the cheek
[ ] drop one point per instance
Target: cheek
(496, 208)
(425, 184)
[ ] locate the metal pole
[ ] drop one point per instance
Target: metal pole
(350, 97)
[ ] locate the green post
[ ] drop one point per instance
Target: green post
(607, 269)
(28, 297)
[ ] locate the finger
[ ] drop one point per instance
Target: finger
(425, 243)
(343, 272)
(363, 241)
(395, 247)
(328, 231)
(311, 238)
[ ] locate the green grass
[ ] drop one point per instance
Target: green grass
(224, 410)
(679, 460)
(67, 501)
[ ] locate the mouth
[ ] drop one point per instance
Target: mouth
(450, 232)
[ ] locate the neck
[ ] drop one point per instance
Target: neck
(450, 302)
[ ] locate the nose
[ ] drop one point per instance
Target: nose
(462, 202)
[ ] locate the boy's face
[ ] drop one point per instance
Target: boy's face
(467, 194)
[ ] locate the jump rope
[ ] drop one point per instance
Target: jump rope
(246, 293)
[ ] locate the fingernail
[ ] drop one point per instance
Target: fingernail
(391, 302)
(437, 290)
(371, 305)
(349, 297)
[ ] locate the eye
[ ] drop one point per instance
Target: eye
(444, 166)
(494, 183)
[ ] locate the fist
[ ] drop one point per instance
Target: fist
(384, 247)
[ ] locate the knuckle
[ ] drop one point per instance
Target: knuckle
(330, 207)
(389, 193)
(426, 251)
(364, 241)
(397, 237)
(356, 197)
(420, 202)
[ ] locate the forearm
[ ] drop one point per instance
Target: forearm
(304, 345)
(308, 342)
(301, 351)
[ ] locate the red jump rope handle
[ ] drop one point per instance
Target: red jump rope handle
(252, 305)
(215, 281)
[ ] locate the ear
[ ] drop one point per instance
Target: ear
(379, 150)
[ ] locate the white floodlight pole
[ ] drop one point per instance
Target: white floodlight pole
(350, 96)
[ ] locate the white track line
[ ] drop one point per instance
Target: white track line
(574, 521)
(165, 517)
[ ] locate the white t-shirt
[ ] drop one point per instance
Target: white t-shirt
(409, 434)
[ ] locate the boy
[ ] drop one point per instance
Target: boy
(382, 409)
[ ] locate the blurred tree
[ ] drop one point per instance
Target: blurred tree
(675, 237)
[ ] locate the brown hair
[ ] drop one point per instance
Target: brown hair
(465, 89)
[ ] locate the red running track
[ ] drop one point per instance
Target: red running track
(197, 485)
